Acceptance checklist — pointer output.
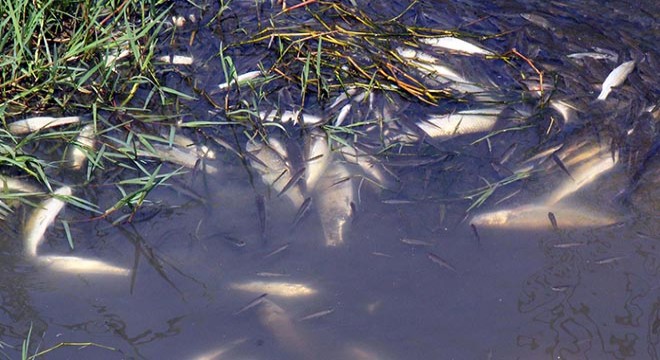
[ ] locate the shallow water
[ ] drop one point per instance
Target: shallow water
(590, 292)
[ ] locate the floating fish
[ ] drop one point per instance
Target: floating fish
(616, 78)
(241, 79)
(317, 157)
(441, 262)
(429, 63)
(42, 217)
(275, 288)
(535, 216)
(84, 143)
(415, 242)
(444, 127)
(371, 167)
(187, 158)
(334, 195)
(274, 169)
(455, 44)
(31, 125)
(176, 59)
(82, 266)
(295, 117)
(11, 184)
(318, 314)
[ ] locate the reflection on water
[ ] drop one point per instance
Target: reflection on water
(413, 279)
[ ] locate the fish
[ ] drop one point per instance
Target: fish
(553, 220)
(274, 169)
(85, 142)
(455, 44)
(241, 79)
(333, 199)
(30, 125)
(566, 110)
(216, 354)
(535, 216)
(274, 318)
(187, 158)
(302, 211)
(415, 242)
(42, 217)
(438, 260)
(317, 314)
(11, 184)
(82, 266)
(295, 117)
(370, 167)
(278, 250)
(176, 59)
(583, 175)
(317, 157)
(430, 64)
(275, 288)
(616, 78)
(444, 127)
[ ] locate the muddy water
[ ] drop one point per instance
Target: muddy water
(465, 293)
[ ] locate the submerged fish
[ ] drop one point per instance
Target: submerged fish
(83, 266)
(616, 78)
(334, 195)
(187, 158)
(273, 168)
(176, 59)
(317, 157)
(216, 354)
(274, 318)
(535, 216)
(11, 184)
(84, 143)
(30, 125)
(584, 174)
(275, 288)
(241, 79)
(42, 217)
(444, 127)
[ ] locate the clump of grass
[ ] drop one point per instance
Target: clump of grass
(59, 55)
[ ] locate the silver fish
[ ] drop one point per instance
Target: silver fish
(30, 125)
(333, 198)
(241, 79)
(176, 59)
(444, 127)
(535, 216)
(84, 143)
(274, 318)
(217, 354)
(317, 157)
(274, 168)
(275, 288)
(616, 78)
(42, 217)
(84, 266)
(455, 44)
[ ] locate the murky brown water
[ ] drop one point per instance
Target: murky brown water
(504, 293)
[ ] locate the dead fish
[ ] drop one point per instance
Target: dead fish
(274, 318)
(616, 78)
(31, 125)
(294, 117)
(455, 44)
(176, 59)
(278, 250)
(553, 220)
(273, 168)
(438, 260)
(185, 142)
(177, 155)
(318, 314)
(333, 200)
(8, 184)
(583, 175)
(534, 216)
(444, 127)
(430, 64)
(252, 304)
(371, 167)
(218, 352)
(415, 242)
(240, 79)
(42, 217)
(275, 288)
(317, 157)
(271, 274)
(83, 266)
(85, 142)
(302, 211)
(566, 110)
